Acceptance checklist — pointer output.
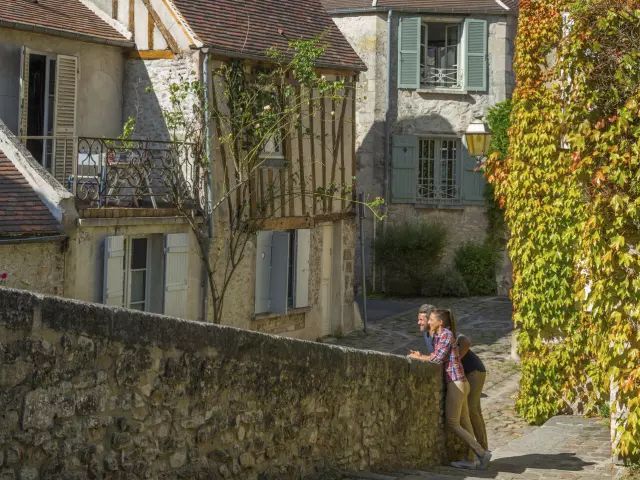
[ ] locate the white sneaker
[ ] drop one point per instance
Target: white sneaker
(484, 460)
(475, 465)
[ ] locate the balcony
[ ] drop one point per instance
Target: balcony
(104, 173)
(431, 77)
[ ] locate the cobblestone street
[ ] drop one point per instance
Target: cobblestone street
(564, 448)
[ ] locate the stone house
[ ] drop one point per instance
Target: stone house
(121, 240)
(432, 68)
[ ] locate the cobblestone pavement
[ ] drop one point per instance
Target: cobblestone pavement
(563, 448)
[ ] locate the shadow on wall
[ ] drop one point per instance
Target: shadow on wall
(371, 173)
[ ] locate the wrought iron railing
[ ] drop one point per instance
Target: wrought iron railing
(137, 173)
(432, 77)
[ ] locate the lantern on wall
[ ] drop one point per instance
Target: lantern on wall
(478, 137)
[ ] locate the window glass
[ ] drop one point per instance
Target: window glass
(438, 171)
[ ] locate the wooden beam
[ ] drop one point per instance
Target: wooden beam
(132, 19)
(323, 134)
(150, 28)
(312, 137)
(303, 179)
(149, 55)
(285, 223)
(334, 150)
(283, 189)
(342, 126)
(179, 21)
(271, 191)
(173, 45)
(354, 165)
(114, 9)
(333, 217)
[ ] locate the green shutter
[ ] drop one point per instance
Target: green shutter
(473, 183)
(476, 67)
(404, 175)
(409, 52)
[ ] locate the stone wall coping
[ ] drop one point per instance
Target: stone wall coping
(21, 310)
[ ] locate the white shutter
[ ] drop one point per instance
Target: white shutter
(279, 273)
(113, 285)
(24, 93)
(263, 271)
(176, 271)
(303, 246)
(65, 115)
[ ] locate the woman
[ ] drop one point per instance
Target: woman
(456, 410)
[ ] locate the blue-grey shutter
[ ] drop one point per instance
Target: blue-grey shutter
(404, 174)
(473, 182)
(176, 274)
(279, 273)
(476, 66)
(263, 271)
(113, 286)
(409, 52)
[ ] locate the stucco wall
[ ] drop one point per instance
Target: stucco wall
(99, 103)
(88, 390)
(417, 113)
(85, 262)
(37, 267)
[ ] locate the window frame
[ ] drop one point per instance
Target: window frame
(460, 67)
(438, 200)
(128, 270)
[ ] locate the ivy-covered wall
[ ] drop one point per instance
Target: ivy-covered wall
(570, 188)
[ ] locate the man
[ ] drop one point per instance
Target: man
(473, 367)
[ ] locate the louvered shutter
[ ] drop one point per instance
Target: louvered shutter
(113, 285)
(24, 94)
(65, 116)
(176, 274)
(404, 174)
(263, 271)
(279, 280)
(409, 52)
(476, 65)
(303, 246)
(473, 183)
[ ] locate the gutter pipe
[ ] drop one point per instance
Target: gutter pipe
(50, 238)
(207, 113)
(66, 34)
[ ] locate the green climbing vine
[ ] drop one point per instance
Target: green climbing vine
(570, 189)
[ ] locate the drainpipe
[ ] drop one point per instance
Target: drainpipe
(387, 119)
(209, 185)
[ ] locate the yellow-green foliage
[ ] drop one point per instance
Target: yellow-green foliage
(570, 187)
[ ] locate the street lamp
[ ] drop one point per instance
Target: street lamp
(478, 137)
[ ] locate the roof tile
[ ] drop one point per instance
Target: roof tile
(251, 27)
(68, 15)
(21, 210)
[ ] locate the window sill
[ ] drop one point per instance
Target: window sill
(432, 206)
(291, 311)
(447, 91)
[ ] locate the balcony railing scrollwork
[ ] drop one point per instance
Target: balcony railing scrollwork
(138, 173)
(431, 77)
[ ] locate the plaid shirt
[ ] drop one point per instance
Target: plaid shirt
(446, 351)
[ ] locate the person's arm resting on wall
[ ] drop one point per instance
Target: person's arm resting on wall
(442, 349)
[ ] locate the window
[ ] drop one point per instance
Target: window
(438, 171)
(282, 271)
(147, 273)
(442, 54)
(435, 172)
(439, 51)
(272, 155)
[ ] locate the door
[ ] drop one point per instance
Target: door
(325, 282)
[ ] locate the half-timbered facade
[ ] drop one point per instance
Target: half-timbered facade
(126, 244)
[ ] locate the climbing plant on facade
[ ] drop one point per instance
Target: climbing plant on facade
(570, 187)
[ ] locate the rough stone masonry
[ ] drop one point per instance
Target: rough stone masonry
(89, 391)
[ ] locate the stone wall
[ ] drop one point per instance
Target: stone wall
(88, 391)
(37, 267)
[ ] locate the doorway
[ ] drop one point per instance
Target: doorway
(41, 89)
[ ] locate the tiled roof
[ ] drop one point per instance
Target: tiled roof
(62, 15)
(22, 213)
(251, 27)
(444, 6)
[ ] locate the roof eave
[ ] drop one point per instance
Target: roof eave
(465, 11)
(22, 238)
(29, 27)
(248, 56)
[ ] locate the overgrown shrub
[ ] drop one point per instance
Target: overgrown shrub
(409, 252)
(476, 263)
(453, 284)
